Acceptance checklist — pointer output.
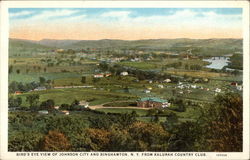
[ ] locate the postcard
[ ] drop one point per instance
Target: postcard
(124, 79)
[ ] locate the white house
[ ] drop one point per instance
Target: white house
(218, 90)
(239, 87)
(147, 91)
(124, 73)
(160, 86)
(167, 80)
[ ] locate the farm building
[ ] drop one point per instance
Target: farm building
(150, 102)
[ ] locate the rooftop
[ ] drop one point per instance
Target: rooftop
(153, 99)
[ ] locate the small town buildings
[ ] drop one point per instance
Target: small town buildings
(99, 75)
(40, 89)
(150, 102)
(124, 73)
(43, 112)
(18, 92)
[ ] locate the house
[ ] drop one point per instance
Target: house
(167, 80)
(84, 104)
(43, 112)
(18, 92)
(65, 112)
(124, 73)
(239, 87)
(40, 89)
(160, 86)
(147, 91)
(193, 86)
(56, 107)
(98, 75)
(150, 102)
(218, 90)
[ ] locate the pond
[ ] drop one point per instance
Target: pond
(217, 62)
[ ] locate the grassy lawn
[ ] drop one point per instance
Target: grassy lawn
(140, 112)
(67, 96)
(30, 77)
(141, 65)
(200, 74)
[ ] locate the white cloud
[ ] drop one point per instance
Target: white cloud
(117, 14)
(19, 14)
(44, 15)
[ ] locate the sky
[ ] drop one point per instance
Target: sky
(125, 23)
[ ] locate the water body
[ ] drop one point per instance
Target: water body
(217, 62)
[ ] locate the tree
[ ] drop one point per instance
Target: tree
(99, 139)
(148, 136)
(83, 80)
(223, 124)
(33, 100)
(10, 69)
(55, 141)
(18, 71)
(42, 80)
(48, 104)
(185, 137)
(171, 121)
(27, 140)
(15, 102)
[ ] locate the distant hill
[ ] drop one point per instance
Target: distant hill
(20, 47)
(198, 46)
(57, 43)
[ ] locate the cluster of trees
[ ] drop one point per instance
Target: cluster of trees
(25, 87)
(219, 128)
(116, 69)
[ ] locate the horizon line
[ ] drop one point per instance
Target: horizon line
(121, 39)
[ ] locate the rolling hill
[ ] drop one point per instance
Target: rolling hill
(198, 46)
